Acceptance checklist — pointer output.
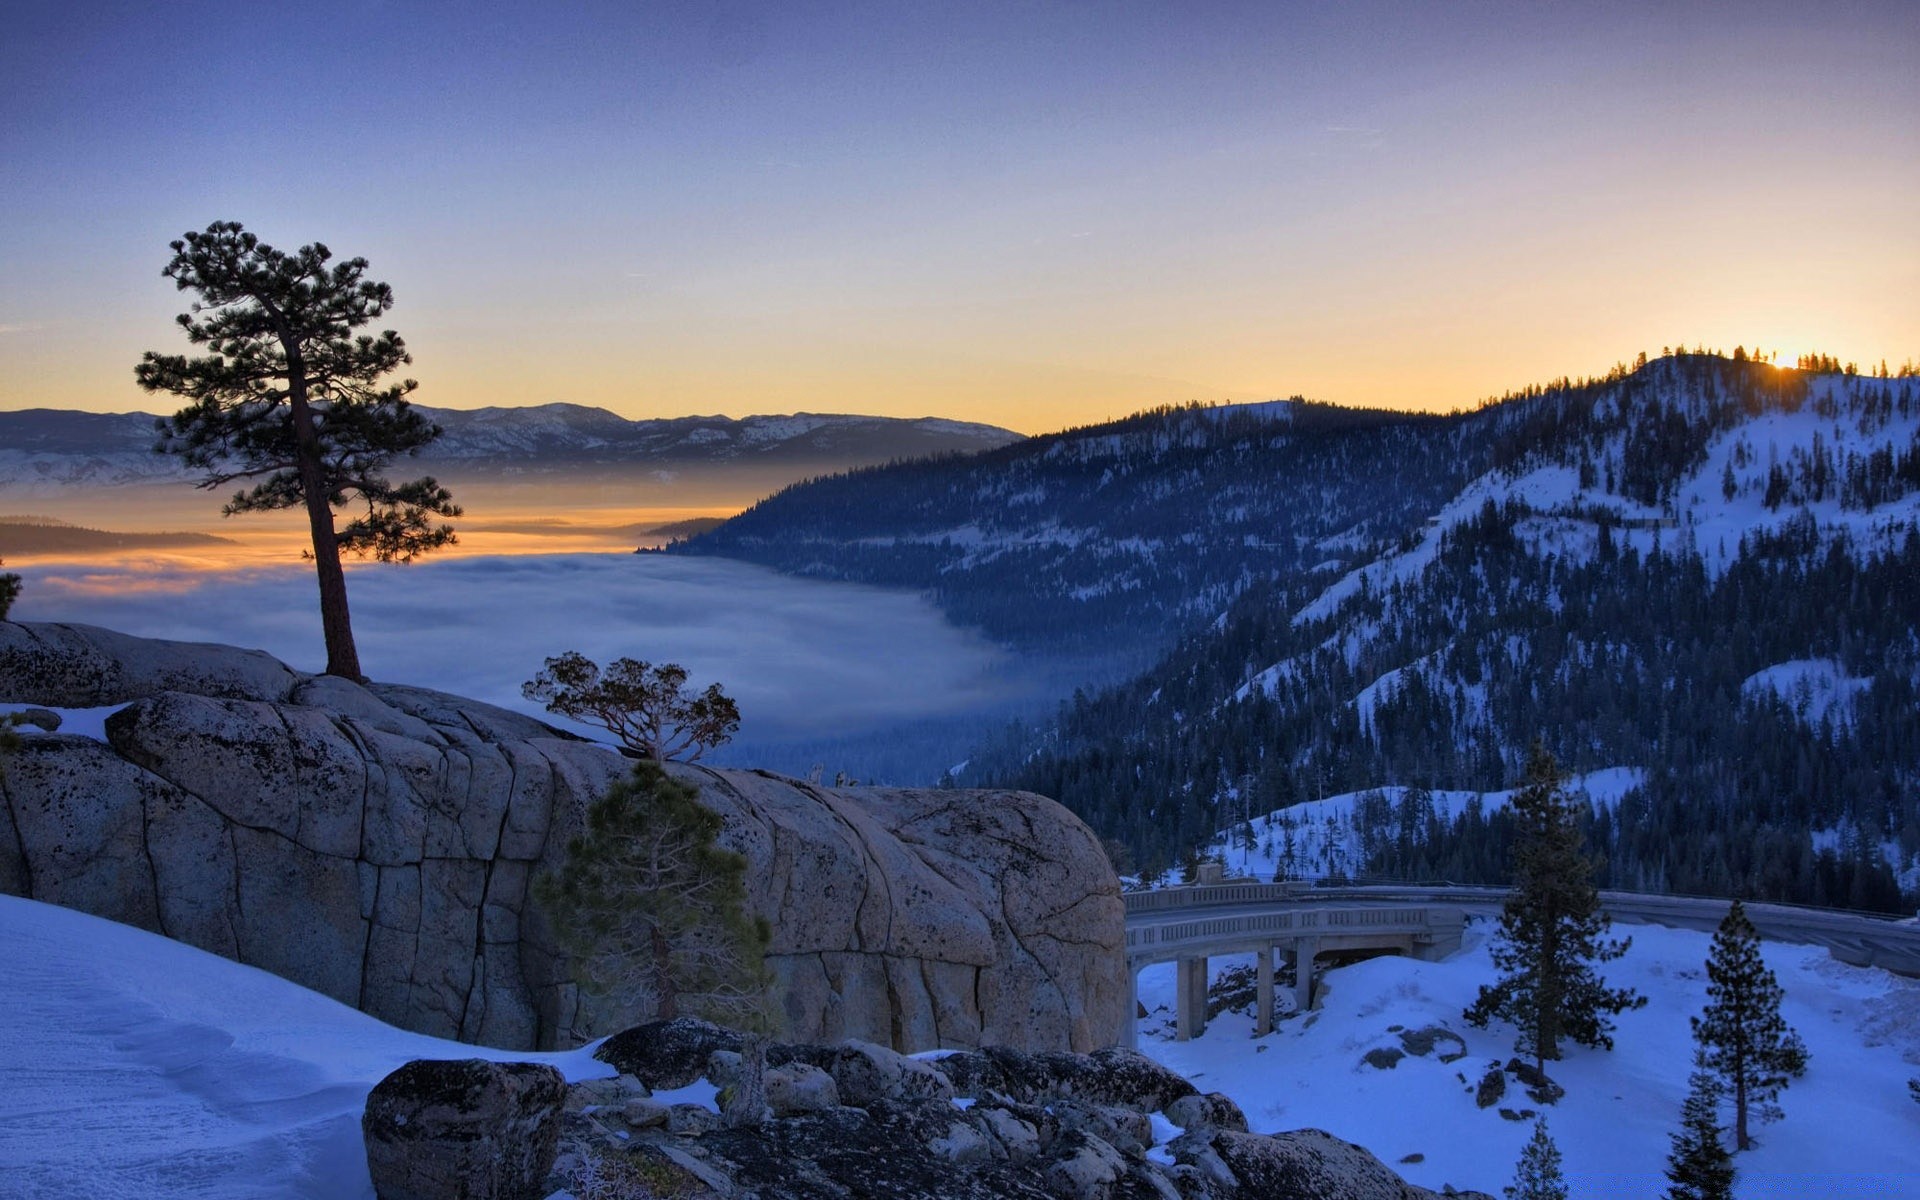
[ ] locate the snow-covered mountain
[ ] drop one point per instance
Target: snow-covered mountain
(45, 450)
(1700, 570)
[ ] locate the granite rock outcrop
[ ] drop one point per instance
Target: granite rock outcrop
(376, 843)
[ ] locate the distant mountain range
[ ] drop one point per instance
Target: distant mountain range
(52, 449)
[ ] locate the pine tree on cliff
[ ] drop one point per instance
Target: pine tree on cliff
(1552, 931)
(1742, 1036)
(291, 400)
(1537, 1176)
(653, 912)
(1699, 1167)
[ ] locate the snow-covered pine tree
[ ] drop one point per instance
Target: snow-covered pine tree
(1552, 931)
(1537, 1175)
(1742, 1036)
(1700, 1168)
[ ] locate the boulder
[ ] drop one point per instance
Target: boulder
(864, 1073)
(85, 666)
(800, 1088)
(465, 1129)
(1305, 1164)
(885, 1138)
(378, 843)
(666, 1055)
(1210, 1111)
(1111, 1075)
(1084, 1167)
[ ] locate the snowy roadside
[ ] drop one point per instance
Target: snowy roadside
(1850, 1129)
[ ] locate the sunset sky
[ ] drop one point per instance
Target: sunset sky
(1032, 215)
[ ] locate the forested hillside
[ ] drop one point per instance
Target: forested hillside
(1702, 570)
(1105, 543)
(1708, 570)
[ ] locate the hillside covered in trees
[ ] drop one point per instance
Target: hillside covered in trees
(1703, 569)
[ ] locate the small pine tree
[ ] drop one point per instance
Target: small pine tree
(1552, 931)
(649, 708)
(1700, 1168)
(1743, 1038)
(653, 912)
(1537, 1176)
(1913, 1089)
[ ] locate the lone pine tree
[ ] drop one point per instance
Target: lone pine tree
(9, 590)
(1743, 1038)
(1699, 1167)
(1552, 931)
(649, 708)
(291, 398)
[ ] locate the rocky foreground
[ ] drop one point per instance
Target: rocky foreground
(376, 843)
(848, 1121)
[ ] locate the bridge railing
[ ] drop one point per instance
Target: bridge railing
(1282, 925)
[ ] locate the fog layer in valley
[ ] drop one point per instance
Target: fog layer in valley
(809, 662)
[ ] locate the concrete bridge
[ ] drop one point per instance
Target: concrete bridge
(1186, 925)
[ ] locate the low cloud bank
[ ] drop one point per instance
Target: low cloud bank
(804, 658)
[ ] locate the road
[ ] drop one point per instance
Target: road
(1856, 938)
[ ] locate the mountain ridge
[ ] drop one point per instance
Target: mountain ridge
(55, 448)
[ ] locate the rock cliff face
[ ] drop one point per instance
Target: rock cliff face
(376, 844)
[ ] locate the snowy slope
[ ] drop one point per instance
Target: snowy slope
(138, 1066)
(1714, 507)
(1850, 1130)
(1318, 838)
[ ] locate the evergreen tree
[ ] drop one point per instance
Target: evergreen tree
(1552, 931)
(653, 912)
(1537, 1176)
(1700, 1168)
(292, 398)
(9, 590)
(649, 708)
(1743, 1038)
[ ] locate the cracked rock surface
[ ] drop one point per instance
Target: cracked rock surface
(377, 843)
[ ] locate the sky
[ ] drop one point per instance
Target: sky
(1035, 215)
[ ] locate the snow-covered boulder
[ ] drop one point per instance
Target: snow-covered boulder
(376, 843)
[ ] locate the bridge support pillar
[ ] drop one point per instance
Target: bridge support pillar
(1263, 992)
(1190, 999)
(1303, 952)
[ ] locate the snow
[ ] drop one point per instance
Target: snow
(1702, 518)
(1849, 1129)
(139, 1066)
(1327, 839)
(1818, 689)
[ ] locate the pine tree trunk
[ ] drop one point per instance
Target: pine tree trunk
(1740, 1113)
(669, 1002)
(336, 623)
